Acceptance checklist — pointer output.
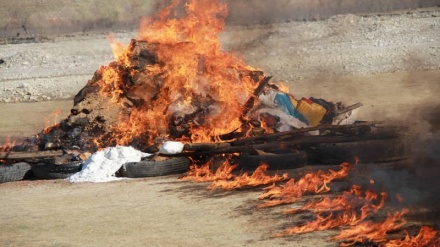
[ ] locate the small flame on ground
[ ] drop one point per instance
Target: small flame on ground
(203, 173)
(258, 178)
(427, 237)
(347, 201)
(369, 231)
(314, 182)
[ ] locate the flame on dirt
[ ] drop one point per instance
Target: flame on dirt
(347, 201)
(348, 214)
(369, 231)
(191, 68)
(427, 237)
(314, 182)
(258, 178)
(203, 173)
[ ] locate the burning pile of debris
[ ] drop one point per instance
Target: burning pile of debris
(173, 85)
(174, 102)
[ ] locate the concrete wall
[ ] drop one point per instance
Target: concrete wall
(33, 18)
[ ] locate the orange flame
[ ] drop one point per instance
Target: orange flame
(258, 178)
(314, 182)
(52, 124)
(369, 231)
(191, 68)
(348, 216)
(347, 201)
(8, 145)
(427, 237)
(119, 51)
(204, 174)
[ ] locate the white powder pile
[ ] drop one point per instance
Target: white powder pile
(102, 165)
(171, 147)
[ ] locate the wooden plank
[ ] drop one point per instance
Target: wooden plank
(250, 103)
(195, 147)
(301, 140)
(30, 154)
(295, 132)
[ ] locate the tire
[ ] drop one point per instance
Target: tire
(14, 172)
(52, 171)
(144, 169)
(370, 151)
(274, 161)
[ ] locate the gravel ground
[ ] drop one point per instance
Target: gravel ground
(292, 52)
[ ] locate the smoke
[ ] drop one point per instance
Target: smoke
(417, 179)
(425, 166)
(425, 160)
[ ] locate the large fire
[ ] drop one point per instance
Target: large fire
(174, 81)
(188, 76)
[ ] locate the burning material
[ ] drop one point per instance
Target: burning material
(6, 148)
(8, 145)
(347, 201)
(173, 80)
(204, 174)
(258, 178)
(52, 124)
(426, 237)
(369, 231)
(314, 182)
(347, 215)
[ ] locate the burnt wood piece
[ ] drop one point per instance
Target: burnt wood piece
(250, 103)
(30, 154)
(347, 109)
(301, 140)
(195, 147)
(295, 132)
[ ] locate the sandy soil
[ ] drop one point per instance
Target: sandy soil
(388, 62)
(160, 212)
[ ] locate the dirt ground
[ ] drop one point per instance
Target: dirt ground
(388, 62)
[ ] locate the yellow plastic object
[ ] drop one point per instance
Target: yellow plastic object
(293, 100)
(311, 111)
